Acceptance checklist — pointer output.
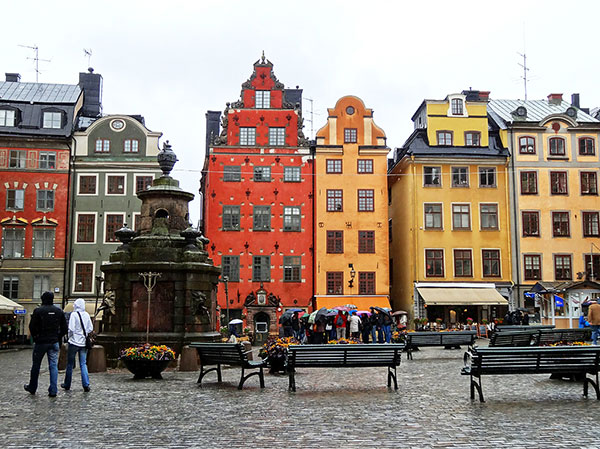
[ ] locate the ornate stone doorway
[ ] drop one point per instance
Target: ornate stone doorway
(261, 327)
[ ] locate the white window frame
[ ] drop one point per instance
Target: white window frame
(49, 118)
(49, 155)
(33, 242)
(95, 175)
(107, 175)
(470, 226)
(131, 146)
(481, 228)
(104, 217)
(262, 99)
(7, 117)
(77, 214)
(464, 105)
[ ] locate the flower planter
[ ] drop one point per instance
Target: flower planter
(277, 364)
(141, 368)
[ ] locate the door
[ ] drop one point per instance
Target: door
(261, 328)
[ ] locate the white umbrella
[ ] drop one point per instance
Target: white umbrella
(236, 321)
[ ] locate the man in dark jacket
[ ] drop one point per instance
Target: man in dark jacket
(48, 325)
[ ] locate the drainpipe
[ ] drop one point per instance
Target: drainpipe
(69, 226)
(515, 211)
(313, 150)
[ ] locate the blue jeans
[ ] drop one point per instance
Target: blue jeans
(387, 330)
(595, 331)
(39, 351)
(374, 334)
(85, 378)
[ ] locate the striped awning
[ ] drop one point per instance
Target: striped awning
(462, 296)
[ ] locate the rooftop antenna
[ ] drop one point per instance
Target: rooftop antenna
(311, 120)
(36, 58)
(88, 52)
(524, 65)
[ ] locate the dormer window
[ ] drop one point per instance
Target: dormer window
(52, 120)
(444, 138)
(263, 99)
(7, 118)
(102, 146)
(457, 106)
(131, 146)
(472, 138)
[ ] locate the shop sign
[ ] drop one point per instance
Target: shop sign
(20, 311)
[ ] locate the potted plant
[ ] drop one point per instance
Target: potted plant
(147, 360)
(275, 351)
(469, 322)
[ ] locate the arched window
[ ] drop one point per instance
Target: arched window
(586, 146)
(457, 106)
(526, 145)
(557, 146)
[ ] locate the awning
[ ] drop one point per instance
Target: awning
(361, 302)
(7, 306)
(462, 296)
(89, 308)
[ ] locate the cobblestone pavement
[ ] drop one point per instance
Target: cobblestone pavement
(332, 408)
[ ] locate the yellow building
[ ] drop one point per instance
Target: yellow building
(450, 255)
(351, 235)
(554, 203)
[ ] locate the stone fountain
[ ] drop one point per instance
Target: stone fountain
(183, 301)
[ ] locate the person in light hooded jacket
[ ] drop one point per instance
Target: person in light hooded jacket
(77, 335)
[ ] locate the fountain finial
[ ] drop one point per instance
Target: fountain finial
(166, 158)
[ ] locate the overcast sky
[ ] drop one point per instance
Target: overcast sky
(171, 61)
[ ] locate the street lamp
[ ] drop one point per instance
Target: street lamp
(225, 280)
(352, 275)
(150, 278)
(99, 281)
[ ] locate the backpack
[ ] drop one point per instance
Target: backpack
(339, 321)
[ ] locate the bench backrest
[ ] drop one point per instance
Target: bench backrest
(514, 338)
(535, 359)
(519, 327)
(220, 353)
(565, 335)
(345, 355)
(440, 338)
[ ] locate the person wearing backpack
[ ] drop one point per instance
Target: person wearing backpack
(80, 324)
(340, 325)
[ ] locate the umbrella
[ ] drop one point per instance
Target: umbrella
(317, 315)
(236, 321)
(399, 312)
(366, 312)
(383, 310)
(351, 306)
(343, 308)
(523, 309)
(289, 312)
(332, 313)
(294, 310)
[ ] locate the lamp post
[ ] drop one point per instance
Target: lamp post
(150, 278)
(225, 280)
(352, 275)
(99, 281)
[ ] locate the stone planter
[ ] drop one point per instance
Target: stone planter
(277, 365)
(141, 368)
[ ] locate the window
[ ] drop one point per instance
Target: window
(463, 265)
(232, 173)
(434, 263)
(131, 146)
(557, 146)
(444, 138)
(45, 200)
(115, 185)
(433, 216)
(365, 166)
(366, 200)
(13, 241)
(366, 282)
(487, 177)
(562, 267)
(15, 199)
(590, 224)
(291, 218)
(531, 224)
(231, 218)
(461, 216)
(366, 242)
(41, 284)
(526, 145)
(335, 200)
(83, 277)
(52, 120)
(457, 106)
(560, 224)
(335, 242)
(262, 174)
(102, 146)
(17, 159)
(261, 268)
(592, 265)
(114, 222)
(491, 262)
(488, 216)
(291, 269)
(528, 183)
(143, 182)
(87, 185)
(533, 267)
(10, 287)
(277, 136)
(472, 138)
(335, 283)
(261, 218)
(47, 160)
(230, 267)
(460, 177)
(263, 99)
(349, 135)
(43, 243)
(7, 118)
(432, 176)
(586, 146)
(247, 136)
(334, 165)
(86, 227)
(558, 183)
(589, 183)
(291, 174)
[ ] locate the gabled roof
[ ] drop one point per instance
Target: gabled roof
(39, 92)
(536, 110)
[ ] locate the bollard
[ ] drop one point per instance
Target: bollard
(62, 357)
(96, 360)
(188, 360)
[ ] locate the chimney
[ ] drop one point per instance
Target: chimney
(575, 100)
(555, 98)
(484, 95)
(91, 84)
(13, 77)
(212, 127)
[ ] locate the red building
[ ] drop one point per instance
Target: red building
(258, 202)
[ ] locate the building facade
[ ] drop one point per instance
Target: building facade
(257, 203)
(351, 216)
(449, 222)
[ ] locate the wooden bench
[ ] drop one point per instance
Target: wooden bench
(514, 338)
(520, 327)
(344, 356)
(450, 339)
(549, 336)
(566, 360)
(539, 337)
(227, 354)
